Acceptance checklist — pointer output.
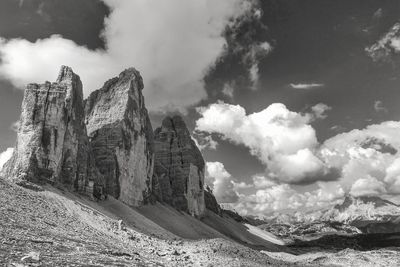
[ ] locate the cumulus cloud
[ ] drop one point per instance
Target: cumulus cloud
(260, 181)
(283, 140)
(204, 141)
(220, 180)
(368, 186)
(5, 156)
(392, 178)
(282, 197)
(361, 162)
(253, 57)
(367, 158)
(306, 86)
(386, 47)
(320, 110)
(228, 90)
(379, 107)
(172, 43)
(15, 126)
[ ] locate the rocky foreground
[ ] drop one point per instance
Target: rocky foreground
(48, 228)
(55, 228)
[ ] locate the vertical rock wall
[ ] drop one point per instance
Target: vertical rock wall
(106, 145)
(122, 137)
(52, 143)
(178, 168)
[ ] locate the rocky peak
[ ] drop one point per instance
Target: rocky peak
(374, 200)
(122, 137)
(178, 168)
(52, 143)
(67, 75)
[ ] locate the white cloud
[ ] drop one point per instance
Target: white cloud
(306, 86)
(392, 177)
(253, 57)
(204, 141)
(379, 107)
(302, 166)
(15, 126)
(241, 185)
(368, 186)
(320, 109)
(5, 156)
(362, 162)
(282, 140)
(387, 46)
(365, 162)
(221, 182)
(260, 181)
(282, 197)
(173, 43)
(228, 90)
(367, 158)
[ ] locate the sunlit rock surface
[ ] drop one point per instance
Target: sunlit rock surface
(52, 144)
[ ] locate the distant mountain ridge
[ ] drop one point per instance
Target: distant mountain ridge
(365, 214)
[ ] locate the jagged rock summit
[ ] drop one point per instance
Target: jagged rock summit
(122, 137)
(52, 144)
(105, 145)
(179, 167)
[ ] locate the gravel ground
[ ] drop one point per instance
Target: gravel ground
(387, 257)
(49, 229)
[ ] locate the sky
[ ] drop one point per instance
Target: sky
(294, 103)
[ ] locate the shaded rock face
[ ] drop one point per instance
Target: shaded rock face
(121, 135)
(210, 201)
(179, 168)
(52, 143)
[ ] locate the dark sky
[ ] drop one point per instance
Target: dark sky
(314, 41)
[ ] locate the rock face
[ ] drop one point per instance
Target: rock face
(121, 135)
(106, 145)
(52, 143)
(178, 168)
(210, 201)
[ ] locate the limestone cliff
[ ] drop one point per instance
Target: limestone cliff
(121, 135)
(178, 168)
(52, 144)
(211, 202)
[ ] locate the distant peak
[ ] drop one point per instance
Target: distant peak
(375, 200)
